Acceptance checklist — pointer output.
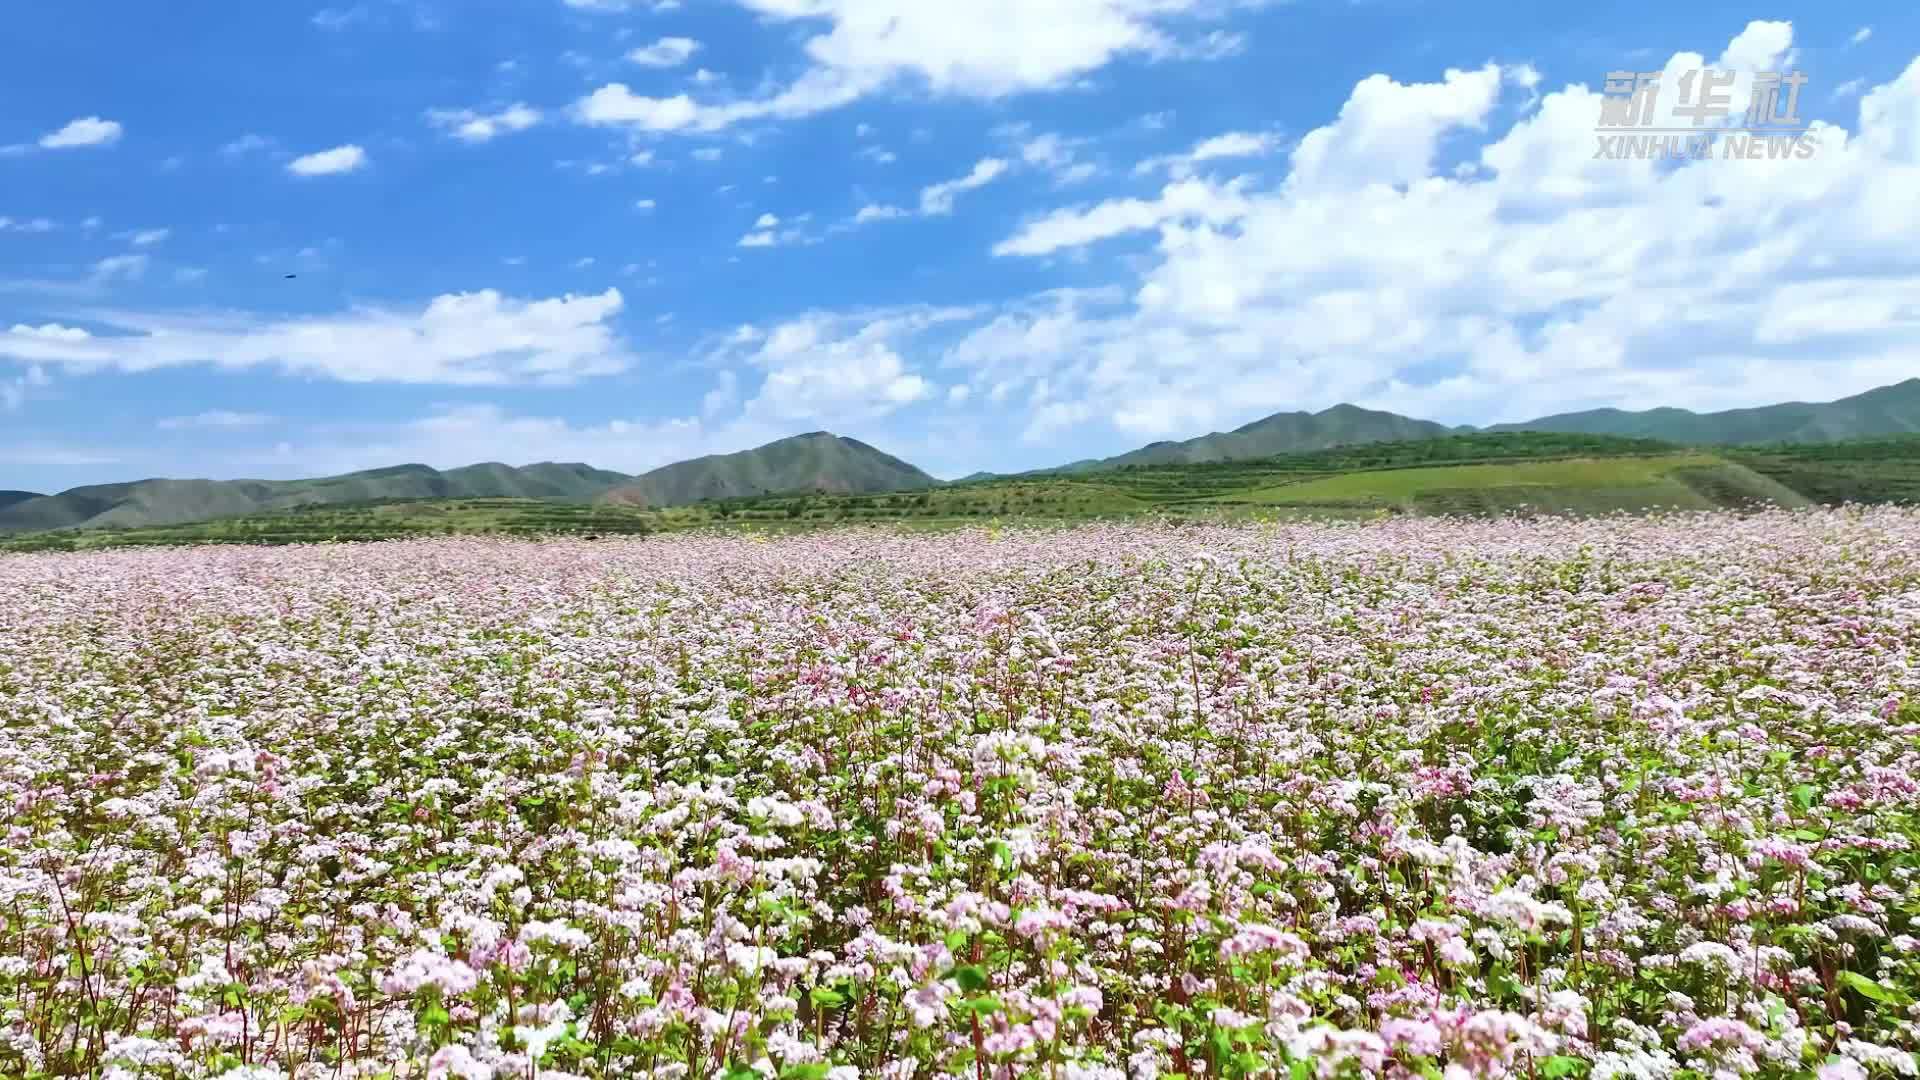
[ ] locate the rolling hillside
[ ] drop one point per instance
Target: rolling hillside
(175, 502)
(1885, 412)
(817, 461)
(814, 462)
(1476, 475)
(1763, 441)
(1889, 410)
(1281, 433)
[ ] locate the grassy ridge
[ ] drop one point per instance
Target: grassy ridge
(1480, 474)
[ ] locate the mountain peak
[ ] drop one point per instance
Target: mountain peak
(814, 461)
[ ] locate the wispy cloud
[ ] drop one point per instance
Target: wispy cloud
(475, 127)
(340, 159)
(665, 53)
(216, 419)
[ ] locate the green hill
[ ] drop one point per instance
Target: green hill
(814, 462)
(175, 502)
(1281, 433)
(1889, 410)
(8, 498)
(817, 461)
(1884, 412)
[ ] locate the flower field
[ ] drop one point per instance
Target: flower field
(1426, 798)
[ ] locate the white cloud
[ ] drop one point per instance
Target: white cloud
(469, 339)
(149, 237)
(875, 212)
(1861, 35)
(48, 332)
(120, 267)
(984, 49)
(216, 419)
(1540, 280)
(665, 53)
(645, 205)
(30, 225)
(1850, 88)
(1388, 132)
(879, 155)
(708, 153)
(1190, 201)
(723, 397)
(1058, 155)
(938, 199)
(246, 144)
(14, 391)
(1233, 144)
(474, 127)
(766, 221)
(825, 369)
(340, 159)
(615, 7)
(760, 239)
(336, 19)
(86, 131)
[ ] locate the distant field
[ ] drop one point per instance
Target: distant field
(1644, 482)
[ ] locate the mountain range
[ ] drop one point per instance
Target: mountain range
(821, 461)
(817, 461)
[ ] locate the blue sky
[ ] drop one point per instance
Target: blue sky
(996, 235)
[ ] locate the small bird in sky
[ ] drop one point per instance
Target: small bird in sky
(290, 277)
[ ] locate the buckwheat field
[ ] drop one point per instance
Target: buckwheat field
(1611, 798)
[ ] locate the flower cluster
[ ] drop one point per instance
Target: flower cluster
(1607, 798)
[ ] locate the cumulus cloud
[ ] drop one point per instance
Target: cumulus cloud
(86, 131)
(469, 339)
(477, 127)
(832, 369)
(1534, 280)
(340, 159)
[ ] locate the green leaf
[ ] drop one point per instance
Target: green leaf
(1562, 1065)
(983, 1005)
(972, 978)
(813, 1070)
(1873, 991)
(825, 998)
(1803, 796)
